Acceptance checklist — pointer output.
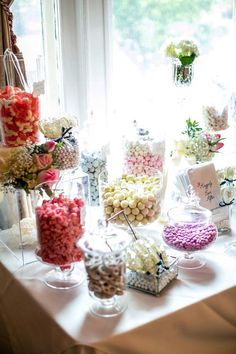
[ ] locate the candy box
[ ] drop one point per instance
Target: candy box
(153, 283)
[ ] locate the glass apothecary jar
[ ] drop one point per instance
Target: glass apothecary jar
(190, 229)
(142, 153)
(104, 252)
(149, 268)
(94, 151)
(138, 197)
(60, 219)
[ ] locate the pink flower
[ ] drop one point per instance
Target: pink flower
(50, 145)
(42, 161)
(50, 175)
(218, 146)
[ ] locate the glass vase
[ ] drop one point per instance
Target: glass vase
(60, 214)
(182, 74)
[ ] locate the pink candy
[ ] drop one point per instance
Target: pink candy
(59, 227)
(146, 163)
(189, 237)
(19, 116)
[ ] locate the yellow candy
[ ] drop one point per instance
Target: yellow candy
(108, 210)
(127, 211)
(124, 204)
(116, 203)
(110, 201)
(131, 217)
(132, 204)
(141, 206)
(139, 217)
(135, 211)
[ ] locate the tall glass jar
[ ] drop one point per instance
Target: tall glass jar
(60, 218)
(104, 251)
(94, 151)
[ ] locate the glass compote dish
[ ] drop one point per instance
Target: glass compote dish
(104, 251)
(60, 213)
(190, 229)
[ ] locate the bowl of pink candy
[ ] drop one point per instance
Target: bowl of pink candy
(190, 229)
(59, 212)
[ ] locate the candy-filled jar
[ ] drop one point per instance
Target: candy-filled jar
(216, 110)
(143, 154)
(94, 151)
(60, 214)
(190, 229)
(19, 117)
(64, 130)
(104, 256)
(139, 198)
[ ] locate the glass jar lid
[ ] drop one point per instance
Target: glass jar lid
(104, 240)
(190, 211)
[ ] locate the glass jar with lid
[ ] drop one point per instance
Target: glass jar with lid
(104, 252)
(190, 229)
(143, 154)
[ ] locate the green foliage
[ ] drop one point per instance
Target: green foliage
(192, 128)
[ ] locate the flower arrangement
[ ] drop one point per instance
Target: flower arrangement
(227, 181)
(52, 127)
(185, 51)
(198, 145)
(27, 166)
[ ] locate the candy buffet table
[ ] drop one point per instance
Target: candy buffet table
(195, 314)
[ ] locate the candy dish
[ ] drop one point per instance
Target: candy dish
(190, 229)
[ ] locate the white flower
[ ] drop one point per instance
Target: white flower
(228, 194)
(230, 173)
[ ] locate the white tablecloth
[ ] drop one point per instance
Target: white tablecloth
(196, 313)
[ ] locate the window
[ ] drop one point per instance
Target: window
(142, 74)
(34, 26)
(107, 56)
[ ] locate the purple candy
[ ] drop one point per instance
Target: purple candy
(189, 237)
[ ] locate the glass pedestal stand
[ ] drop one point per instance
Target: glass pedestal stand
(191, 261)
(68, 278)
(108, 307)
(62, 277)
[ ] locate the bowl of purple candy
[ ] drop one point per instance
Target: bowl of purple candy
(190, 229)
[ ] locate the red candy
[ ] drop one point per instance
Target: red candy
(19, 114)
(59, 227)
